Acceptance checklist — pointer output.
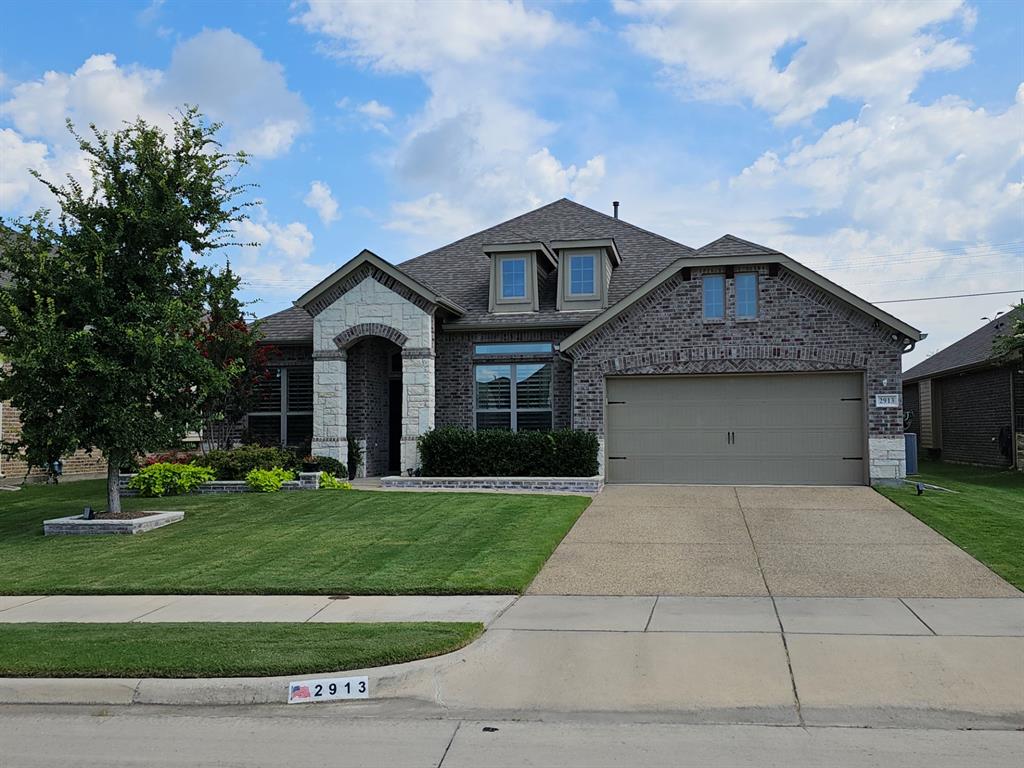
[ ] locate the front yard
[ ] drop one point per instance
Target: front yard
(986, 517)
(299, 542)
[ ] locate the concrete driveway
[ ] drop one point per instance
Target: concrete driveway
(758, 541)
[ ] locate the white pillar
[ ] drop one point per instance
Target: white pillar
(330, 405)
(417, 402)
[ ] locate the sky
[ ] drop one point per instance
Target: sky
(880, 144)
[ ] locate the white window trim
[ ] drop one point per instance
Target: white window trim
(513, 410)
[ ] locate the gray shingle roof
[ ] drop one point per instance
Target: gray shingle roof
(461, 271)
(973, 349)
(730, 245)
(292, 324)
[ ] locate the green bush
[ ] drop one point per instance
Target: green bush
(329, 482)
(237, 463)
(332, 466)
(459, 452)
(166, 479)
(268, 480)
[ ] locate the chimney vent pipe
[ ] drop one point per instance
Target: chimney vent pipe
(615, 208)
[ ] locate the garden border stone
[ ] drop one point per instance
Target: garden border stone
(308, 481)
(76, 525)
(586, 485)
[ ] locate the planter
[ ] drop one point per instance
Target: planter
(76, 525)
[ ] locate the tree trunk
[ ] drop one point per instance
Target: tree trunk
(113, 485)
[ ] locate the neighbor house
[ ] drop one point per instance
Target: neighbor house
(79, 465)
(729, 363)
(966, 403)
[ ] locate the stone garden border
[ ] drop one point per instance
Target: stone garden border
(308, 481)
(586, 485)
(76, 525)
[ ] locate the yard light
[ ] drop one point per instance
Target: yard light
(920, 489)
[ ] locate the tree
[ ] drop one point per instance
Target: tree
(104, 307)
(233, 348)
(1012, 343)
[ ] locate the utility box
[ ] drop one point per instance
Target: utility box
(911, 442)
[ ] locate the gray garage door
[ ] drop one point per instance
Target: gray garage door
(770, 429)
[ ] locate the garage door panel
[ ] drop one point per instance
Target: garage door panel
(759, 429)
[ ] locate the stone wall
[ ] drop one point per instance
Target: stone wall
(975, 407)
(455, 382)
(800, 328)
(587, 485)
(78, 466)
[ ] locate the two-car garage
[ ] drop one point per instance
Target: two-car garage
(799, 428)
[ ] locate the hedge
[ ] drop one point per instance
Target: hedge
(237, 463)
(460, 452)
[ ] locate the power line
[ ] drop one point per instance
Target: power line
(955, 296)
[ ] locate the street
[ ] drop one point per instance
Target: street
(339, 735)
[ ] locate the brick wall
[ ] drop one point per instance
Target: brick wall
(79, 466)
(454, 372)
(975, 406)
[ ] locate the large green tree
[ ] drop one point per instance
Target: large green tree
(105, 308)
(1011, 343)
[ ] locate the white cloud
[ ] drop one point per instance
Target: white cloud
(320, 199)
(220, 71)
(725, 51)
(374, 110)
(280, 262)
(476, 152)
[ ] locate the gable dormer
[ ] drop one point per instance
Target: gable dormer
(514, 271)
(584, 272)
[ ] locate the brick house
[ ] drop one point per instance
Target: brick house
(966, 404)
(76, 467)
(730, 363)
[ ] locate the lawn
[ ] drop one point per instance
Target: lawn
(219, 650)
(297, 542)
(986, 517)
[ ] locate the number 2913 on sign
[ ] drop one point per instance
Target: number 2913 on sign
(328, 689)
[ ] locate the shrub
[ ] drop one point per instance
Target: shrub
(459, 452)
(331, 466)
(329, 482)
(171, 457)
(268, 480)
(166, 479)
(237, 463)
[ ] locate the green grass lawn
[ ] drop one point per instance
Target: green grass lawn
(986, 517)
(219, 650)
(298, 542)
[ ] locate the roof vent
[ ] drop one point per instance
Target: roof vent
(615, 208)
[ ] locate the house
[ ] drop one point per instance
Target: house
(966, 404)
(730, 363)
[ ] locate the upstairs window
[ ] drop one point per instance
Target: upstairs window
(513, 278)
(746, 295)
(581, 275)
(714, 297)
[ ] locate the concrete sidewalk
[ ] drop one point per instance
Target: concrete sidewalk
(947, 663)
(259, 608)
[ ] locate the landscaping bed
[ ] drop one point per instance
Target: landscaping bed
(356, 542)
(220, 649)
(984, 518)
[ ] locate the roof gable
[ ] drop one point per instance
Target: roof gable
(973, 349)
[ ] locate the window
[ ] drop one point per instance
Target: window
(581, 275)
(746, 294)
(521, 348)
(283, 410)
(714, 297)
(513, 278)
(513, 396)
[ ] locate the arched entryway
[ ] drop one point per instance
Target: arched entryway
(374, 398)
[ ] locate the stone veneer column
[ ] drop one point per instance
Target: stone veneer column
(417, 401)
(330, 405)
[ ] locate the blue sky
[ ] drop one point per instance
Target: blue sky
(879, 144)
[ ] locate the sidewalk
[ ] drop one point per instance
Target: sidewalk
(943, 663)
(284, 608)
